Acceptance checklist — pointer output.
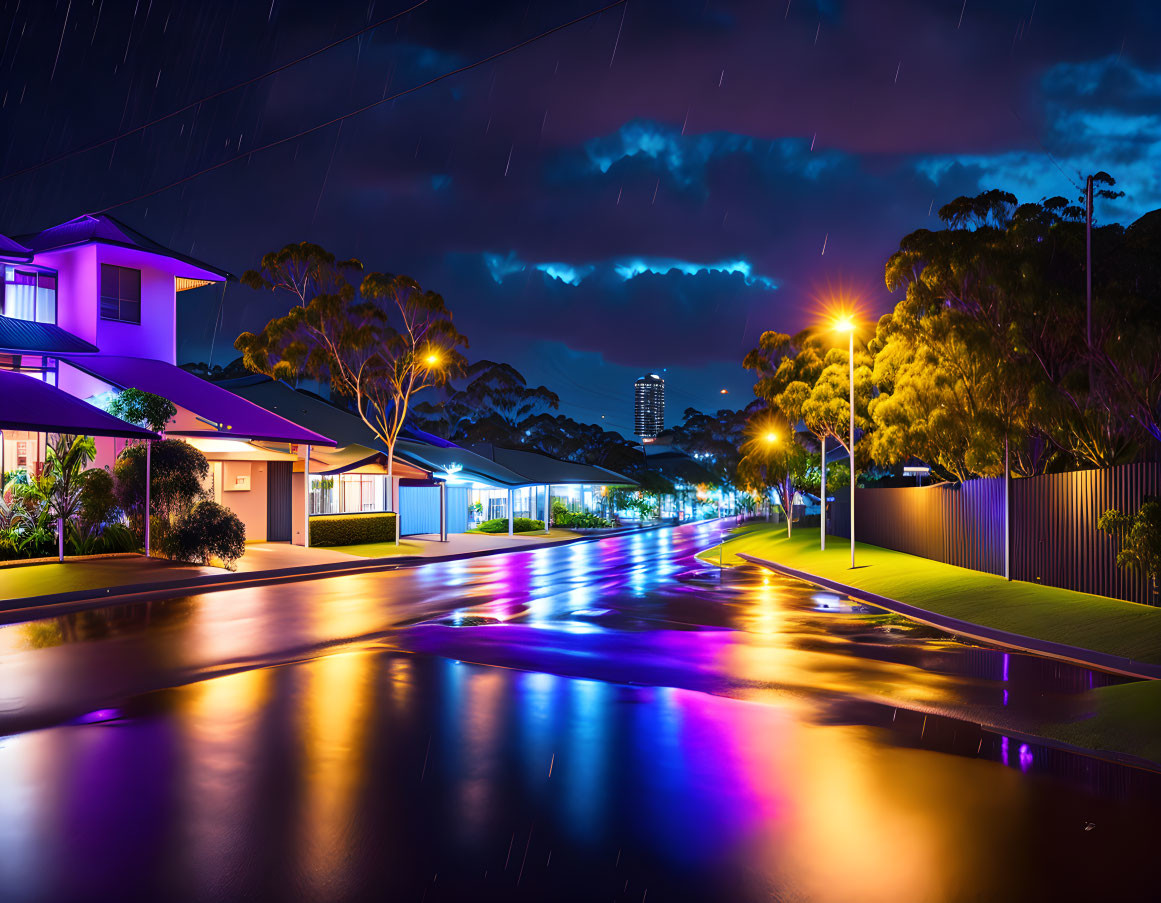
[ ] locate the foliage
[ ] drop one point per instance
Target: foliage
(714, 440)
(996, 303)
(143, 409)
(1140, 538)
(66, 458)
(24, 517)
(773, 458)
(562, 517)
(352, 529)
(204, 532)
(303, 270)
(646, 505)
(519, 525)
(178, 474)
(495, 393)
(98, 500)
(377, 344)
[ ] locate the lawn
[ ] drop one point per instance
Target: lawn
(382, 549)
(1061, 616)
(1126, 718)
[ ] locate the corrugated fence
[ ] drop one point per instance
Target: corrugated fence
(1054, 525)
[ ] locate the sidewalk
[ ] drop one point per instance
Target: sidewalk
(81, 583)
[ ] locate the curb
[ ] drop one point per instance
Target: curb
(31, 608)
(1076, 655)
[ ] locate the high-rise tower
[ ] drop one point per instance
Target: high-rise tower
(649, 406)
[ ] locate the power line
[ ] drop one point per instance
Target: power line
(189, 106)
(365, 107)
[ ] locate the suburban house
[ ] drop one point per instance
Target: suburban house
(89, 308)
(475, 484)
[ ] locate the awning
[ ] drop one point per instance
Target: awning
(29, 404)
(360, 459)
(224, 411)
(236, 450)
(28, 337)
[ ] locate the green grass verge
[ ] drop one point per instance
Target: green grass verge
(1061, 616)
(1126, 719)
(382, 549)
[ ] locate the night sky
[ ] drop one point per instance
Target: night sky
(647, 190)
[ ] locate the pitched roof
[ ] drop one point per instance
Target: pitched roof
(102, 228)
(11, 250)
(540, 468)
(30, 404)
(347, 429)
(235, 415)
(40, 338)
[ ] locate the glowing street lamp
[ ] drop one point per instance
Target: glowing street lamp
(771, 438)
(432, 359)
(847, 325)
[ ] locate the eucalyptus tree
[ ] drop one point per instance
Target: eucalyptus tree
(377, 344)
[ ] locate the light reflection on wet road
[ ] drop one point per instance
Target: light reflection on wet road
(596, 721)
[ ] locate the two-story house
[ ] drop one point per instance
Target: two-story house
(90, 307)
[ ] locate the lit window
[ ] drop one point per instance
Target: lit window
(120, 294)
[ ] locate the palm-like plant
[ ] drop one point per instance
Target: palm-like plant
(66, 459)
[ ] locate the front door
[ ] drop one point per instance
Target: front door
(279, 482)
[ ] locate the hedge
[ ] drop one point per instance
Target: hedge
(351, 529)
(519, 525)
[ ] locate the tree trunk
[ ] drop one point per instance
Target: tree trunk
(392, 500)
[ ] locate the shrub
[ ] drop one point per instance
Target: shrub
(207, 531)
(98, 503)
(116, 538)
(143, 409)
(519, 525)
(178, 473)
(352, 529)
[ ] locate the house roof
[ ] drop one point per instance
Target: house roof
(30, 404)
(40, 338)
(459, 463)
(539, 468)
(678, 464)
(11, 250)
(225, 411)
(104, 229)
(305, 407)
(348, 458)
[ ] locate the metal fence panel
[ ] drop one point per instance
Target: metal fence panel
(1055, 540)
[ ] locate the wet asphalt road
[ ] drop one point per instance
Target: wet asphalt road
(608, 720)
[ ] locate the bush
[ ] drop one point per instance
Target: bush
(580, 519)
(519, 525)
(352, 529)
(178, 473)
(207, 531)
(98, 503)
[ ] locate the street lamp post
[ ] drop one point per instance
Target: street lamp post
(846, 324)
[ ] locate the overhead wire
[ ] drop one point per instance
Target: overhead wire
(104, 142)
(357, 111)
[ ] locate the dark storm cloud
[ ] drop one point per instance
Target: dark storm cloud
(715, 158)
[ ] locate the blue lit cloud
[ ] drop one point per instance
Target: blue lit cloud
(686, 157)
(1101, 115)
(501, 266)
(632, 268)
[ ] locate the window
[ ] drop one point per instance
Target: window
(120, 294)
(29, 295)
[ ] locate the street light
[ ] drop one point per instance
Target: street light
(771, 438)
(432, 359)
(847, 325)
